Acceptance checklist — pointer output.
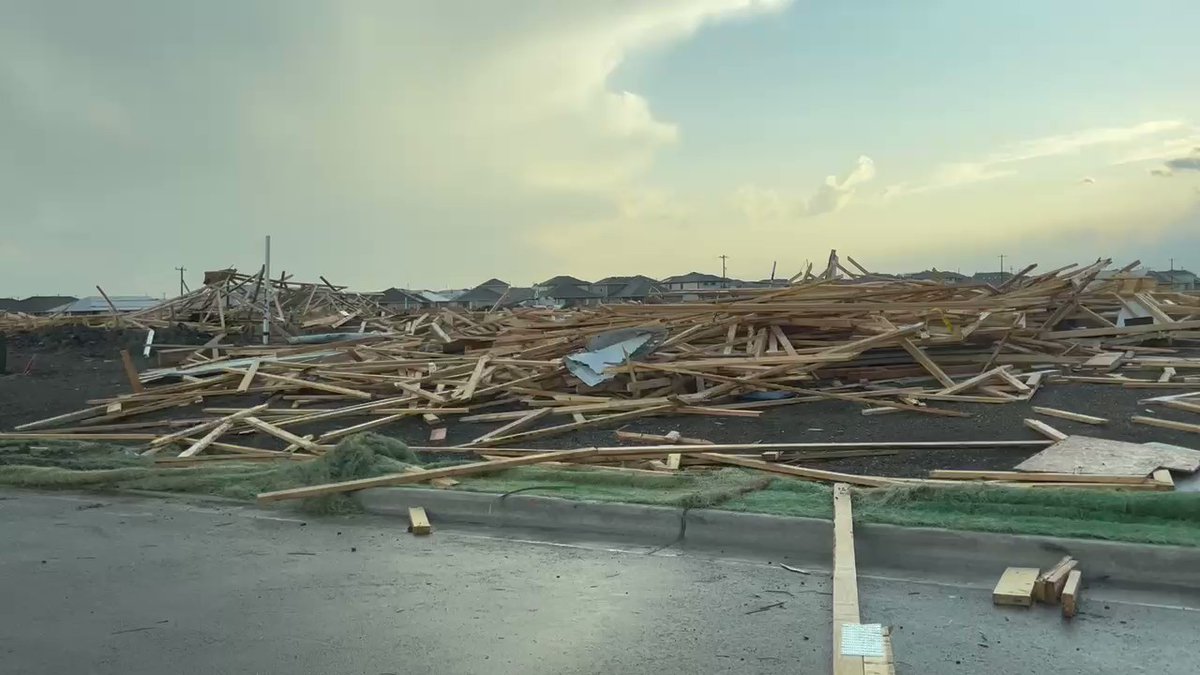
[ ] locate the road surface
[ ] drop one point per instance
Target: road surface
(142, 586)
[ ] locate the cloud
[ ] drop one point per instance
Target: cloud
(764, 204)
(1087, 180)
(1184, 163)
(358, 133)
(1161, 172)
(1002, 163)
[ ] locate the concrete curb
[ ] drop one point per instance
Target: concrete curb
(910, 552)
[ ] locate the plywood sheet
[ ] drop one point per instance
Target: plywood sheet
(1104, 457)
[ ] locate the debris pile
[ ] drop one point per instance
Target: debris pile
(885, 344)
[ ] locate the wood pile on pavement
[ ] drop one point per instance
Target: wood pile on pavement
(890, 346)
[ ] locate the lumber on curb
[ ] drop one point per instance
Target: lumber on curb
(796, 471)
(418, 521)
(404, 478)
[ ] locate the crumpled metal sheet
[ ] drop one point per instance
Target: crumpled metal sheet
(613, 348)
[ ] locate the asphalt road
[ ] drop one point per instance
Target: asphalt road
(141, 586)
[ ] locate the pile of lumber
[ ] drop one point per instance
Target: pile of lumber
(230, 303)
(887, 345)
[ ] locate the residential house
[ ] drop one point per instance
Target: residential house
(400, 300)
(495, 293)
(569, 295)
(9, 305)
(95, 304)
(697, 281)
(44, 304)
(560, 280)
(993, 278)
(636, 288)
(1175, 280)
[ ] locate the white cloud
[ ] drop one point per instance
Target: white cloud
(1002, 163)
(358, 131)
(764, 204)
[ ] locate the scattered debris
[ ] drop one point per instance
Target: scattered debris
(418, 521)
(1016, 587)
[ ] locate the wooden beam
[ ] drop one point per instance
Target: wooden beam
(405, 478)
(1070, 593)
(1068, 415)
(131, 372)
(845, 580)
(199, 446)
(926, 362)
(562, 428)
(511, 427)
(1035, 477)
(796, 471)
(1167, 424)
(1049, 584)
(418, 522)
(1045, 429)
(1016, 587)
(248, 378)
(282, 434)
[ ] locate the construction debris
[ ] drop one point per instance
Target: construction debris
(1070, 594)
(1049, 585)
(418, 521)
(888, 345)
(1016, 587)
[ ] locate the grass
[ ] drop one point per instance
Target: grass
(100, 466)
(1143, 517)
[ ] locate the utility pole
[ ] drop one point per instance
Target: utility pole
(723, 259)
(1172, 264)
(1002, 263)
(182, 286)
(266, 310)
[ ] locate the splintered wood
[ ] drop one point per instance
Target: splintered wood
(891, 346)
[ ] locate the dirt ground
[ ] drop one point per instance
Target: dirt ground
(63, 375)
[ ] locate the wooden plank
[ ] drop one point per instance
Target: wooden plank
(562, 428)
(308, 384)
(974, 381)
(281, 434)
(1166, 424)
(205, 426)
(1121, 330)
(62, 419)
(512, 426)
(468, 391)
(1163, 477)
(673, 461)
(131, 372)
(927, 363)
(199, 446)
(1070, 594)
(402, 479)
(416, 390)
(249, 376)
(884, 665)
(438, 434)
(1068, 415)
(1016, 587)
(418, 522)
(845, 580)
(1045, 429)
(1039, 477)
(796, 471)
(1049, 584)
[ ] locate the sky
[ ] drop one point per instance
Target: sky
(435, 145)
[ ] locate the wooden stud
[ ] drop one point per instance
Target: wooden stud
(1016, 587)
(418, 521)
(1070, 594)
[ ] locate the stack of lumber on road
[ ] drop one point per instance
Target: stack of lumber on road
(886, 345)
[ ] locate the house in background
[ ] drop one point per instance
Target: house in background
(399, 299)
(637, 288)
(569, 295)
(697, 281)
(44, 304)
(1175, 280)
(95, 304)
(495, 293)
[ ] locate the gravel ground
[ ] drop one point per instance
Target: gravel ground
(63, 379)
